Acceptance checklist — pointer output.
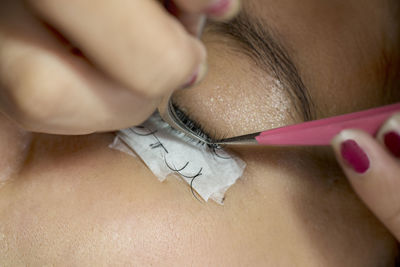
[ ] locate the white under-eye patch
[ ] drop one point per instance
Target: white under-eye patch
(209, 171)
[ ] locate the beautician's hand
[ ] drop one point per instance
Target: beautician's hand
(373, 167)
(134, 52)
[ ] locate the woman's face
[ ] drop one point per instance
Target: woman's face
(73, 201)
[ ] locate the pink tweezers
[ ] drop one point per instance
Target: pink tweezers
(318, 132)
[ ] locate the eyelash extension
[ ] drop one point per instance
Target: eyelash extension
(198, 130)
(192, 178)
(143, 131)
(195, 127)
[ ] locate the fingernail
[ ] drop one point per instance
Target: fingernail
(191, 81)
(392, 142)
(219, 8)
(354, 156)
(197, 76)
(171, 8)
(223, 8)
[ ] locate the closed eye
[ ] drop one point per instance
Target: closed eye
(195, 127)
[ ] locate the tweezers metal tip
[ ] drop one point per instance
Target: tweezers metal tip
(168, 114)
(247, 139)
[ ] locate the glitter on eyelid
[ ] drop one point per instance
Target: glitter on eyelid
(240, 110)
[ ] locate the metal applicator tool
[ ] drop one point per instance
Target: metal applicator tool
(312, 133)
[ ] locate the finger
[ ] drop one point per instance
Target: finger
(193, 14)
(373, 173)
(135, 42)
(389, 135)
(193, 22)
(218, 9)
(47, 89)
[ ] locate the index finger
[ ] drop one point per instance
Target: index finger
(136, 42)
(373, 173)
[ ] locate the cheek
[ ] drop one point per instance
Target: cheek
(236, 97)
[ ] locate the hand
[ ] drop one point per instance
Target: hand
(373, 168)
(76, 67)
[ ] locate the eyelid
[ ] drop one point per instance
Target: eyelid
(257, 41)
(195, 126)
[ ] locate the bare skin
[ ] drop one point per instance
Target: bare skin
(73, 201)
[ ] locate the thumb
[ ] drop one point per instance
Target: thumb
(374, 174)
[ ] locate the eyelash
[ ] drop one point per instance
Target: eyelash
(195, 127)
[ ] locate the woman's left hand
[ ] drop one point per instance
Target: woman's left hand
(373, 168)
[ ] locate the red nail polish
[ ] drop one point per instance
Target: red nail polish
(219, 8)
(191, 81)
(172, 8)
(354, 156)
(392, 142)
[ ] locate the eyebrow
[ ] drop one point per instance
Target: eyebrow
(269, 54)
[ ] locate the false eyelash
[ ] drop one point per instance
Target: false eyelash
(195, 127)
